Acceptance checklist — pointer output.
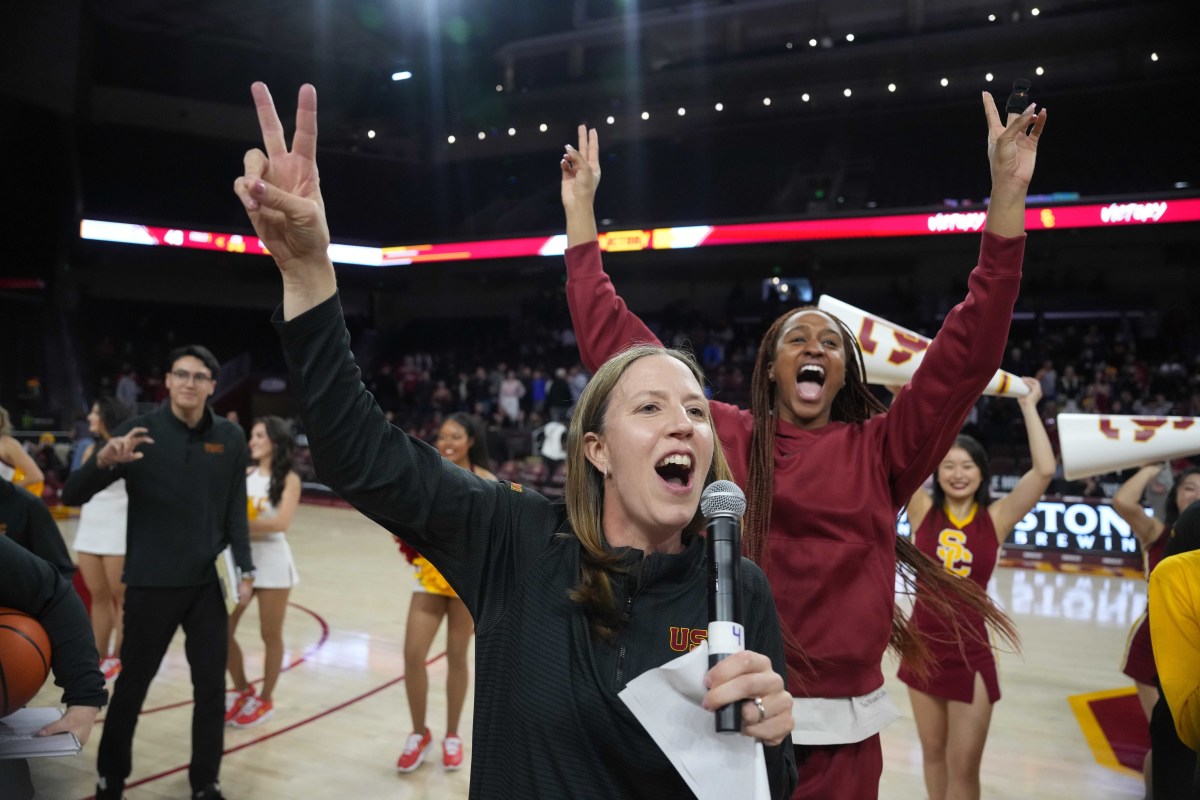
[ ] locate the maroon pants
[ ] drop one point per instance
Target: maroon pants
(839, 771)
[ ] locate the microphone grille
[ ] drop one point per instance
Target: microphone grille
(722, 497)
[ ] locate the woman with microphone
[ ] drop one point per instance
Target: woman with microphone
(571, 600)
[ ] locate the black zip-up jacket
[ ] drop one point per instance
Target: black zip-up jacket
(187, 498)
(548, 721)
(31, 584)
(26, 520)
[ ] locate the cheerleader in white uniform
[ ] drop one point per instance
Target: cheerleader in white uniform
(272, 494)
(100, 542)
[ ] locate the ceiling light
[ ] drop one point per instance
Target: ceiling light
(512, 131)
(849, 37)
(611, 120)
(945, 81)
(988, 77)
(370, 134)
(991, 17)
(805, 97)
(1034, 11)
(1154, 56)
(846, 92)
(766, 101)
(645, 115)
(403, 75)
(450, 139)
(482, 136)
(499, 87)
(812, 42)
(1040, 71)
(719, 106)
(789, 45)
(891, 87)
(543, 127)
(681, 111)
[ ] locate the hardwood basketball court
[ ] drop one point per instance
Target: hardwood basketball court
(341, 716)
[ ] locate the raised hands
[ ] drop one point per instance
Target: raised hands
(580, 177)
(1030, 401)
(123, 449)
(282, 195)
(1012, 149)
(581, 170)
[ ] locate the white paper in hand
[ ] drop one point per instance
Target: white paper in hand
(666, 701)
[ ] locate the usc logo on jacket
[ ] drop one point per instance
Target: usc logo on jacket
(684, 640)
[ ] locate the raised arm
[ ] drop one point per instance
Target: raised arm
(919, 505)
(928, 412)
(1128, 503)
(1008, 511)
(281, 191)
(604, 325)
(463, 524)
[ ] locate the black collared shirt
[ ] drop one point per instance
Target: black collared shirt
(187, 498)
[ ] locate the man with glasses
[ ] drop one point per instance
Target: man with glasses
(185, 472)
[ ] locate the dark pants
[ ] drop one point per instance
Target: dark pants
(151, 617)
(839, 771)
(1172, 762)
(15, 783)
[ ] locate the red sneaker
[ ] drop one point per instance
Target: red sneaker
(452, 753)
(234, 700)
(254, 711)
(414, 751)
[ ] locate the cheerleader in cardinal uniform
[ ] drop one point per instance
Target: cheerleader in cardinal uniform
(957, 527)
(461, 441)
(272, 495)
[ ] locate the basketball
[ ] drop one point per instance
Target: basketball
(24, 659)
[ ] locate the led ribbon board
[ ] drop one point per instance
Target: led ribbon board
(942, 223)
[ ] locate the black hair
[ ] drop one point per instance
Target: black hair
(195, 351)
(477, 454)
(975, 450)
(1171, 510)
(282, 441)
(112, 413)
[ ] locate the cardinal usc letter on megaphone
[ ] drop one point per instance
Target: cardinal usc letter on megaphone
(892, 354)
(1094, 444)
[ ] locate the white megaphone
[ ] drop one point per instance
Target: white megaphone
(892, 354)
(1093, 444)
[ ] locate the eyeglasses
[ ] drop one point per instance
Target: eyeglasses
(199, 378)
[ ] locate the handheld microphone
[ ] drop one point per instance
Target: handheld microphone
(723, 505)
(1018, 101)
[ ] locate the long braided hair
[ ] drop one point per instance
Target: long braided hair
(922, 576)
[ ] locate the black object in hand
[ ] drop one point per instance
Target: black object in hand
(1018, 101)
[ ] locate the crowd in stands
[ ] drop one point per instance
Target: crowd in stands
(524, 373)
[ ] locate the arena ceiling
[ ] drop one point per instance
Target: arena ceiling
(489, 66)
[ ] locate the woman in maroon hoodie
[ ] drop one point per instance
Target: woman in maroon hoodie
(826, 469)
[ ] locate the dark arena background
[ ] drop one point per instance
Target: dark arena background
(756, 155)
